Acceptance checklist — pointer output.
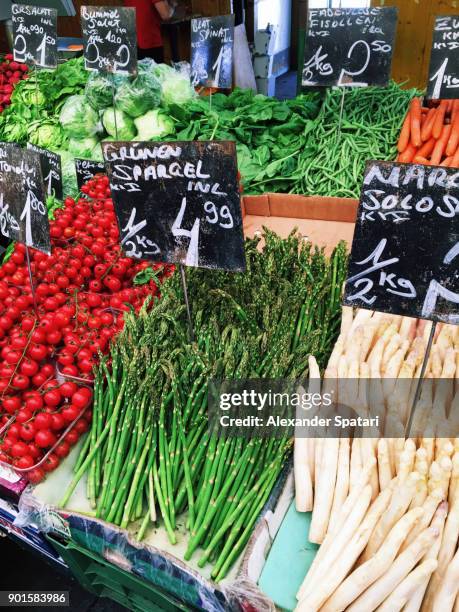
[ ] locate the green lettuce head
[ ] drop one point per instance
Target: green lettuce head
(154, 124)
(78, 118)
(82, 148)
(118, 124)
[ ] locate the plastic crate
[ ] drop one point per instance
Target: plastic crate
(104, 579)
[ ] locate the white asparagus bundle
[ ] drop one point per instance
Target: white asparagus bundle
(405, 554)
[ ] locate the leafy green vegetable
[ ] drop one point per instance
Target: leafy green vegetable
(69, 180)
(82, 147)
(138, 96)
(78, 118)
(46, 133)
(118, 124)
(99, 91)
(154, 124)
(29, 93)
(176, 89)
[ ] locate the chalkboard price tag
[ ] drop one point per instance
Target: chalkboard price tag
(23, 213)
(349, 47)
(87, 169)
(405, 252)
(212, 40)
(110, 39)
(178, 202)
(34, 35)
(50, 169)
(444, 59)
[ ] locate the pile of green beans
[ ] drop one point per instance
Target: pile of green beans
(150, 453)
(369, 129)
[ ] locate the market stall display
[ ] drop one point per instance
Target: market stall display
(58, 331)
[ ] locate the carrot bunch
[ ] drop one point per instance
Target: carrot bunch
(430, 135)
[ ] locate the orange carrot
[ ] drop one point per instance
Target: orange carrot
(408, 154)
(446, 162)
(421, 160)
(427, 125)
(455, 110)
(439, 120)
(440, 145)
(449, 106)
(455, 161)
(453, 141)
(426, 148)
(416, 122)
(405, 133)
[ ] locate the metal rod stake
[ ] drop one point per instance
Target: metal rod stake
(113, 104)
(343, 93)
(29, 268)
(187, 303)
(421, 377)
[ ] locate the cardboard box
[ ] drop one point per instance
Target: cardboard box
(323, 221)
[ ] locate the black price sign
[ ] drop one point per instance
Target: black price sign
(349, 47)
(51, 170)
(405, 253)
(34, 35)
(87, 169)
(110, 39)
(178, 202)
(444, 59)
(23, 213)
(212, 40)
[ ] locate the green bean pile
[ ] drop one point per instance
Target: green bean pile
(370, 127)
(149, 451)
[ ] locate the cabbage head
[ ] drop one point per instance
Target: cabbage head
(29, 93)
(82, 148)
(153, 125)
(176, 89)
(99, 91)
(122, 128)
(47, 134)
(78, 118)
(137, 97)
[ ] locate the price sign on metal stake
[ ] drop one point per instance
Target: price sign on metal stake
(178, 202)
(87, 169)
(444, 59)
(349, 47)
(50, 169)
(34, 35)
(212, 41)
(405, 252)
(110, 39)
(23, 213)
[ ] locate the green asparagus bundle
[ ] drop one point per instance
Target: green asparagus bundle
(150, 453)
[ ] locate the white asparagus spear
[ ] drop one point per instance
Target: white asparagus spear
(438, 522)
(409, 585)
(400, 568)
(384, 468)
(331, 580)
(352, 504)
(430, 506)
(448, 589)
(362, 577)
(401, 499)
(342, 482)
(325, 487)
(447, 548)
(454, 482)
(347, 316)
(356, 463)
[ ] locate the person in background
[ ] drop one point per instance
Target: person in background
(149, 16)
